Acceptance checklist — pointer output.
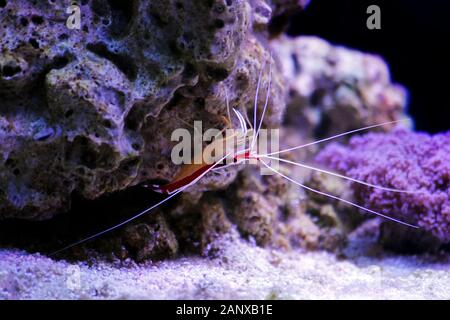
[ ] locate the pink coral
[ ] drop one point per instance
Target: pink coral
(402, 160)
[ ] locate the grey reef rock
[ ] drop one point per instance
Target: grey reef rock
(333, 89)
(90, 111)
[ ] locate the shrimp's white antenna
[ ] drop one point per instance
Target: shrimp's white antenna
(336, 175)
(337, 198)
(265, 103)
(333, 137)
(142, 212)
(228, 105)
(255, 107)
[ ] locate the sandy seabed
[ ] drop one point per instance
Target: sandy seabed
(241, 271)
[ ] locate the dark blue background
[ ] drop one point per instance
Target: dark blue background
(414, 39)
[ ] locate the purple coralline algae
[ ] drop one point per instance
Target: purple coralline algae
(402, 160)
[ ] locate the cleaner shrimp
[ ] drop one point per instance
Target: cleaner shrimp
(247, 137)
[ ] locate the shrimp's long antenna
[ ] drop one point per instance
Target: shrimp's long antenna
(337, 198)
(265, 103)
(334, 137)
(228, 104)
(336, 175)
(142, 212)
(117, 225)
(255, 107)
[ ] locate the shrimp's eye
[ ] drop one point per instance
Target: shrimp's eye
(234, 159)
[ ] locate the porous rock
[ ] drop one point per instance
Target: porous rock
(333, 89)
(91, 110)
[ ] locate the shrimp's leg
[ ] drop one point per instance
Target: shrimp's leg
(247, 120)
(336, 175)
(241, 121)
(333, 137)
(335, 197)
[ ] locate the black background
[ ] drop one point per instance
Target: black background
(414, 39)
(282, 309)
